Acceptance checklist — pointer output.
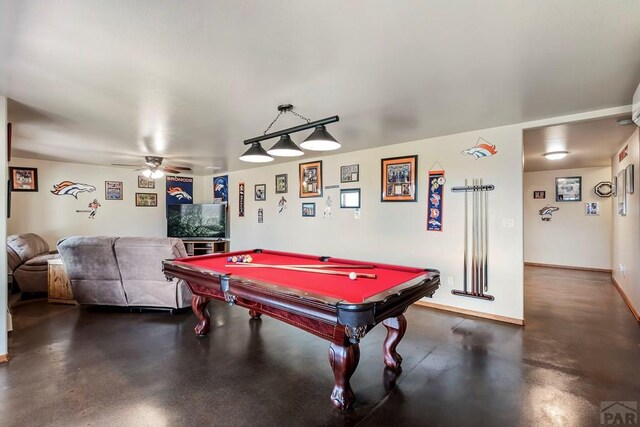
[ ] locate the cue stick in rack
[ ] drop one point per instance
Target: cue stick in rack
(486, 240)
(305, 270)
(466, 226)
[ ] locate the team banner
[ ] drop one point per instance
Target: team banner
(434, 202)
(221, 189)
(241, 199)
(179, 190)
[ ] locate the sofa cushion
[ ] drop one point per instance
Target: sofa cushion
(89, 258)
(22, 247)
(41, 260)
(140, 258)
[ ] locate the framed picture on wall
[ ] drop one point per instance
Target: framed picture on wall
(629, 178)
(113, 190)
(621, 189)
(349, 173)
(308, 209)
(147, 199)
(592, 208)
(144, 182)
(569, 189)
(260, 192)
(23, 179)
(539, 194)
(310, 179)
(350, 198)
(399, 179)
(281, 184)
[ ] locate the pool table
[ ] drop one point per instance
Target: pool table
(331, 305)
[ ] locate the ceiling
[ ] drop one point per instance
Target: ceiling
(109, 81)
(590, 144)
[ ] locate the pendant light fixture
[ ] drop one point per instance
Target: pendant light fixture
(319, 140)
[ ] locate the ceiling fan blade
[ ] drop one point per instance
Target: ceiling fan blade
(170, 170)
(126, 166)
(181, 168)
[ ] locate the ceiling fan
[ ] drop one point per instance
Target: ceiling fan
(153, 168)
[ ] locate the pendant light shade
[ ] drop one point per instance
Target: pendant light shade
(320, 140)
(256, 154)
(285, 147)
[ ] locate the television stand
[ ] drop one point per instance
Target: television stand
(205, 246)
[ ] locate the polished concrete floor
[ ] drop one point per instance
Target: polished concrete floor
(72, 366)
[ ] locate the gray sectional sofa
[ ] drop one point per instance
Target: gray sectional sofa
(28, 255)
(123, 271)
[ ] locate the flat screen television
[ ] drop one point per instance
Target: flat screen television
(197, 221)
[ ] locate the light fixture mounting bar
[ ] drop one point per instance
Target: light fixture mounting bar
(294, 129)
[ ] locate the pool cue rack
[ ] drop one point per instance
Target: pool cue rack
(477, 241)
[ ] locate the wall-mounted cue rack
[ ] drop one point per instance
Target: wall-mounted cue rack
(476, 239)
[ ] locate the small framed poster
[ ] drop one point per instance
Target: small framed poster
(113, 190)
(349, 173)
(23, 179)
(144, 182)
(260, 192)
(592, 208)
(350, 198)
(147, 199)
(569, 189)
(308, 209)
(281, 184)
(539, 194)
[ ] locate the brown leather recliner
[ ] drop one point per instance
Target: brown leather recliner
(27, 256)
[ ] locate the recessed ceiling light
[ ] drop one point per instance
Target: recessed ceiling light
(556, 155)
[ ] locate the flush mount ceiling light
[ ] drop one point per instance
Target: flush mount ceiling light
(319, 140)
(556, 155)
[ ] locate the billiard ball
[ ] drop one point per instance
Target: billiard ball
(353, 276)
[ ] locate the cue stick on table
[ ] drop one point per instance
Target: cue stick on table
(354, 266)
(305, 270)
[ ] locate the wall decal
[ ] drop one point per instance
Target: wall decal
(179, 190)
(435, 200)
(241, 199)
(623, 153)
(282, 204)
(546, 212)
(483, 148)
(93, 208)
(221, 189)
(327, 208)
(71, 188)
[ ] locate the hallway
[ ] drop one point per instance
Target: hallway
(580, 346)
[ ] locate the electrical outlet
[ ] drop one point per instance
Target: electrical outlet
(450, 281)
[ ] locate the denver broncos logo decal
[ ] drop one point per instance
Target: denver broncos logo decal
(178, 193)
(71, 188)
(482, 149)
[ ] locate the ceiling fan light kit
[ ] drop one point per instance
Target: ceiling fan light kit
(319, 140)
(556, 155)
(153, 168)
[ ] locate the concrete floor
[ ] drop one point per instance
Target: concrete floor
(72, 366)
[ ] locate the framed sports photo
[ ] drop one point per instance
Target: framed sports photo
(350, 198)
(311, 179)
(147, 199)
(260, 193)
(539, 195)
(569, 189)
(281, 184)
(23, 179)
(113, 190)
(308, 209)
(349, 173)
(144, 182)
(399, 179)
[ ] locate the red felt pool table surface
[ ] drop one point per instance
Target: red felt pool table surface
(335, 286)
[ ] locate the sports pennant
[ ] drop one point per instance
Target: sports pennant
(434, 203)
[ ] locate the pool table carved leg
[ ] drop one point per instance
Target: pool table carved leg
(396, 327)
(199, 307)
(255, 314)
(344, 360)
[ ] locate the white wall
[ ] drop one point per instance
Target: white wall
(626, 229)
(396, 232)
(3, 226)
(571, 238)
(53, 217)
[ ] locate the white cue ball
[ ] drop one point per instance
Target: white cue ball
(353, 276)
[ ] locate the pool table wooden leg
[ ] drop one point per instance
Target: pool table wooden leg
(396, 327)
(199, 307)
(344, 360)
